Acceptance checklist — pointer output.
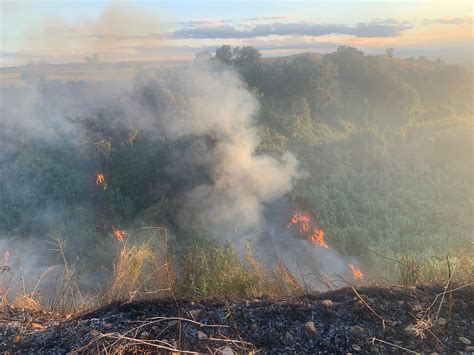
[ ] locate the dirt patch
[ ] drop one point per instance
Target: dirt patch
(366, 320)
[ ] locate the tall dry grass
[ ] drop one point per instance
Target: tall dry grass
(146, 268)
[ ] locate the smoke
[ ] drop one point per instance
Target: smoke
(60, 39)
(229, 184)
(226, 186)
(230, 204)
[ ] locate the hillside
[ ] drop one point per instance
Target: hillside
(386, 320)
(238, 183)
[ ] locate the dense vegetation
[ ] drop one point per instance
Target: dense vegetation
(386, 145)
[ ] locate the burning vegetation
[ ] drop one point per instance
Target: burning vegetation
(302, 222)
(186, 242)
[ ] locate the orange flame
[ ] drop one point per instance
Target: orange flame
(100, 180)
(302, 219)
(318, 238)
(119, 234)
(358, 275)
(303, 222)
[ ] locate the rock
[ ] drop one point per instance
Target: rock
(410, 330)
(144, 335)
(254, 327)
(288, 337)
(201, 335)
(469, 349)
(37, 326)
(16, 338)
(310, 327)
(356, 347)
(357, 330)
(441, 322)
(107, 325)
(195, 313)
(94, 333)
(327, 303)
(226, 351)
(464, 340)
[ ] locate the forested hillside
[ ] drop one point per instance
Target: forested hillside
(384, 147)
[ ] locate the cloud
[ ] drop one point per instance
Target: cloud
(204, 23)
(272, 18)
(448, 21)
(370, 29)
(216, 29)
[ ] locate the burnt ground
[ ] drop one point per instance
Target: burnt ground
(377, 319)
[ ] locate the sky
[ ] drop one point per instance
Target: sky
(68, 31)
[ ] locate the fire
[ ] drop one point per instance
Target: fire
(358, 275)
(119, 234)
(100, 180)
(318, 238)
(302, 219)
(303, 222)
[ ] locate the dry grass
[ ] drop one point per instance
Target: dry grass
(145, 269)
(140, 272)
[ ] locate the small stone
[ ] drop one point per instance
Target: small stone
(356, 347)
(201, 335)
(441, 322)
(357, 330)
(464, 340)
(94, 333)
(195, 313)
(144, 335)
(327, 303)
(469, 349)
(310, 327)
(16, 338)
(37, 326)
(410, 329)
(107, 325)
(254, 327)
(288, 336)
(226, 351)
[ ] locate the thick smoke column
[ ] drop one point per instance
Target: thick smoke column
(230, 204)
(228, 182)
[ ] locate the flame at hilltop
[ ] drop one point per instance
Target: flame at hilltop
(100, 180)
(119, 234)
(302, 222)
(358, 275)
(314, 235)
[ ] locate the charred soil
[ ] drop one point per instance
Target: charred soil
(368, 319)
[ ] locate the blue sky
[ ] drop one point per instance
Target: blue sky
(169, 30)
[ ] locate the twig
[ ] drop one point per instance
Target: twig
(159, 319)
(394, 345)
(371, 309)
(152, 343)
